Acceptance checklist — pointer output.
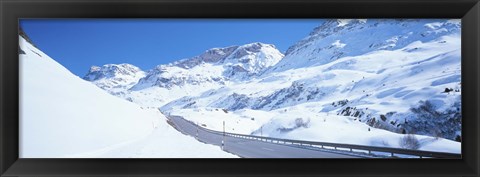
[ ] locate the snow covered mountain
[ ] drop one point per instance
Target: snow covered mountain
(64, 116)
(402, 76)
(352, 37)
(217, 65)
(212, 69)
(115, 78)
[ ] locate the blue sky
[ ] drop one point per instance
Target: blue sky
(81, 43)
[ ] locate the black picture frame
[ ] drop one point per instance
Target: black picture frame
(12, 10)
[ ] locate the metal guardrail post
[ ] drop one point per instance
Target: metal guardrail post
(223, 140)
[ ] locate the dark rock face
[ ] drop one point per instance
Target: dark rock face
(430, 121)
(20, 51)
(25, 36)
(210, 56)
(240, 101)
(235, 71)
(295, 94)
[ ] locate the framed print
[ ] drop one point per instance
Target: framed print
(244, 88)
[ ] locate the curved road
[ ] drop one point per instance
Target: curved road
(252, 148)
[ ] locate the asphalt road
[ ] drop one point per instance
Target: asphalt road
(251, 148)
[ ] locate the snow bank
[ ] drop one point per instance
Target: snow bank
(163, 142)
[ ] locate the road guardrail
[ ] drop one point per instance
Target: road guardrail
(392, 152)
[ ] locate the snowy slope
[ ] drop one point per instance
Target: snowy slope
(62, 115)
(343, 37)
(115, 78)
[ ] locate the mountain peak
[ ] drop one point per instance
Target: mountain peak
(251, 59)
(115, 78)
(220, 54)
(256, 45)
(94, 69)
(111, 70)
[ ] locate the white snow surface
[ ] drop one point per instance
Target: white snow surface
(64, 116)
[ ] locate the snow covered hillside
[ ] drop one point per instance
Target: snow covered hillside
(352, 37)
(63, 116)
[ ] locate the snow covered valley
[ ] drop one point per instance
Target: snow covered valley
(374, 82)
